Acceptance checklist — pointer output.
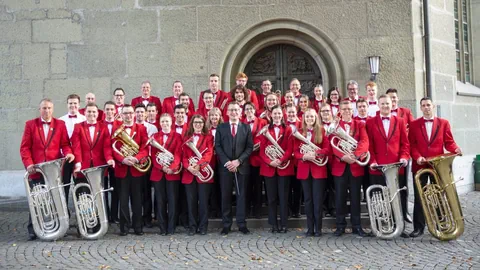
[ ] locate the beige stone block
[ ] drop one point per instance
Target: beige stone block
(96, 60)
(10, 62)
(4, 15)
(189, 58)
(178, 25)
(444, 87)
(20, 31)
(58, 61)
(93, 4)
(389, 18)
(466, 116)
(58, 46)
(2, 149)
(30, 14)
(442, 27)
(472, 142)
(443, 58)
(105, 27)
(216, 52)
(36, 61)
(58, 90)
(216, 23)
(461, 99)
(33, 4)
(161, 86)
(56, 30)
(443, 109)
(439, 4)
(280, 11)
(102, 89)
(354, 66)
(35, 94)
(249, 2)
(342, 19)
(14, 162)
(13, 94)
(25, 114)
(9, 120)
(145, 60)
(59, 14)
(460, 139)
(154, 3)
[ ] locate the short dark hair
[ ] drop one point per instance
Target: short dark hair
(383, 96)
(214, 75)
(73, 96)
(126, 106)
(208, 91)
(151, 104)
(425, 98)
(183, 95)
(108, 103)
(179, 106)
(361, 100)
(118, 89)
(391, 90)
(91, 104)
(140, 105)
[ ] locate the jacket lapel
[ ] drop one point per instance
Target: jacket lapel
(380, 127)
(96, 135)
(41, 134)
(435, 128)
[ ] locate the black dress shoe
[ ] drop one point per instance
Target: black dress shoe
(202, 232)
(309, 233)
(273, 230)
(404, 235)
(116, 221)
(123, 233)
(225, 231)
(297, 215)
(163, 232)
(339, 232)
(139, 232)
(244, 230)
(416, 233)
(318, 234)
(32, 236)
(360, 232)
(148, 224)
(191, 232)
(283, 230)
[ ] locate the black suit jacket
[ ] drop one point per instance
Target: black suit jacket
(229, 148)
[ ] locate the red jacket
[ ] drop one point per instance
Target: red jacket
(317, 104)
(203, 112)
(363, 120)
(359, 133)
(140, 137)
(91, 153)
(114, 124)
(403, 113)
(225, 113)
(253, 98)
(286, 143)
(151, 99)
(184, 129)
(204, 142)
(305, 168)
(385, 149)
(35, 149)
(172, 145)
(421, 146)
(100, 116)
(258, 124)
(169, 105)
(219, 98)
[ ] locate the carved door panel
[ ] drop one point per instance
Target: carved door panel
(280, 64)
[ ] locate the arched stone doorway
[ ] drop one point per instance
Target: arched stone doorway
(281, 63)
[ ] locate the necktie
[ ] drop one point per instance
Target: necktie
(428, 120)
(72, 116)
(385, 118)
(234, 131)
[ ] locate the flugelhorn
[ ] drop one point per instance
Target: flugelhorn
(205, 174)
(309, 147)
(89, 202)
(440, 203)
(129, 148)
(384, 207)
(345, 143)
(273, 151)
(47, 202)
(163, 157)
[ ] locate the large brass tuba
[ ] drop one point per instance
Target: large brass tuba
(205, 174)
(307, 147)
(163, 157)
(129, 148)
(345, 143)
(89, 204)
(439, 198)
(47, 202)
(273, 151)
(384, 207)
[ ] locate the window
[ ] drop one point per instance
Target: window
(462, 40)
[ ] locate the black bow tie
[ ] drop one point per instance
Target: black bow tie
(385, 118)
(428, 120)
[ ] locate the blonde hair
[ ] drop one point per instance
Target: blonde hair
(209, 123)
(317, 127)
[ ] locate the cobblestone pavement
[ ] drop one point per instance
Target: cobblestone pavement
(260, 249)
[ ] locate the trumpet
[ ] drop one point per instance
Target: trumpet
(90, 206)
(129, 148)
(163, 157)
(440, 203)
(205, 174)
(309, 147)
(273, 151)
(47, 202)
(345, 143)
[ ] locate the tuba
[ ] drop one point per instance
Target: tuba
(345, 143)
(129, 148)
(205, 174)
(307, 147)
(163, 157)
(47, 202)
(90, 206)
(273, 151)
(439, 198)
(384, 207)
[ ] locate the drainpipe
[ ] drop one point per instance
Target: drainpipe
(428, 50)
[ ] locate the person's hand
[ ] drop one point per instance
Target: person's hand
(310, 156)
(458, 151)
(129, 161)
(404, 162)
(167, 170)
(70, 158)
(31, 169)
(421, 160)
(111, 162)
(373, 166)
(348, 159)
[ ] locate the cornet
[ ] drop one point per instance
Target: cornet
(205, 174)
(309, 147)
(273, 151)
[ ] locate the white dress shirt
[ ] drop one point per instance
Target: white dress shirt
(372, 109)
(213, 131)
(386, 124)
(428, 127)
(277, 132)
(70, 122)
(109, 126)
(46, 128)
(92, 132)
(309, 135)
(179, 130)
(196, 137)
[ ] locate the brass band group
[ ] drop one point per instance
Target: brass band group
(320, 151)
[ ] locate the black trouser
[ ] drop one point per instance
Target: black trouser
(329, 200)
(418, 215)
(342, 183)
(115, 194)
(131, 191)
(277, 187)
(215, 196)
(147, 198)
(254, 190)
(366, 181)
(197, 200)
(227, 184)
(31, 183)
(182, 206)
(67, 171)
(402, 182)
(294, 194)
(313, 195)
(166, 192)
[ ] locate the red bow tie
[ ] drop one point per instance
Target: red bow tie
(213, 128)
(251, 122)
(145, 99)
(385, 118)
(291, 122)
(372, 103)
(166, 134)
(178, 126)
(395, 110)
(277, 126)
(196, 134)
(91, 125)
(72, 116)
(46, 123)
(326, 123)
(428, 120)
(333, 105)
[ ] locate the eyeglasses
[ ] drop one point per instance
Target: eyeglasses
(347, 109)
(128, 113)
(325, 111)
(119, 95)
(249, 109)
(233, 110)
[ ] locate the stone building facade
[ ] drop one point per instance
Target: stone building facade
(52, 48)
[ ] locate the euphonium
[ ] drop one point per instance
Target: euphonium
(47, 202)
(207, 170)
(163, 157)
(273, 151)
(386, 216)
(345, 143)
(89, 204)
(307, 147)
(441, 207)
(129, 148)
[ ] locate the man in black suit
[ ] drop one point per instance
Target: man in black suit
(233, 145)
